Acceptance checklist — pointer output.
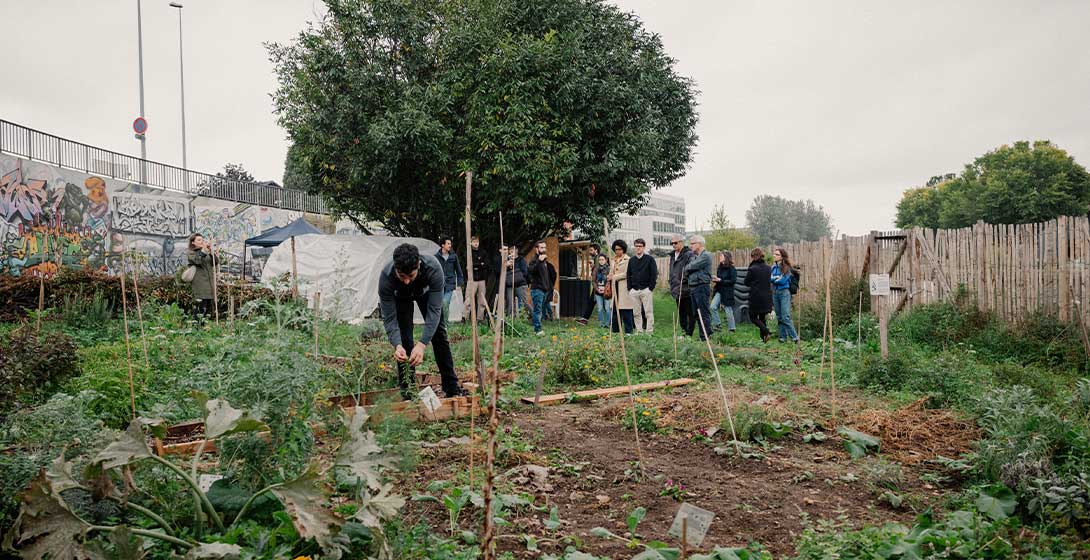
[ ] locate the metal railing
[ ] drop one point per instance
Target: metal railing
(35, 145)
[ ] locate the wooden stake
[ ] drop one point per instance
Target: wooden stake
(470, 279)
(488, 534)
(215, 283)
(684, 537)
(718, 377)
(41, 302)
(294, 272)
(829, 319)
(140, 316)
(627, 375)
(859, 326)
(317, 318)
(125, 324)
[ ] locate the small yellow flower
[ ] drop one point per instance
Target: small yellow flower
(802, 375)
(382, 366)
(302, 558)
(554, 338)
(647, 413)
(770, 379)
(719, 355)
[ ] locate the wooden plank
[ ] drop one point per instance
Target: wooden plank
(453, 407)
(607, 392)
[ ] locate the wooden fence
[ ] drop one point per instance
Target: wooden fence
(1013, 270)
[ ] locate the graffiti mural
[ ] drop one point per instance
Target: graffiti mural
(152, 215)
(225, 227)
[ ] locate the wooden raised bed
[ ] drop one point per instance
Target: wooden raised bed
(185, 438)
(591, 394)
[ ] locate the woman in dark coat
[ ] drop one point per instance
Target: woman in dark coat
(726, 276)
(201, 258)
(759, 280)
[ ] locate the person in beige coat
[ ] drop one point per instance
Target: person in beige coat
(622, 300)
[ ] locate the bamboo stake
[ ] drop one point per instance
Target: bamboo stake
(718, 377)
(215, 282)
(829, 320)
(125, 324)
(473, 317)
(41, 302)
(317, 319)
(140, 316)
(859, 326)
(684, 537)
(470, 280)
(627, 375)
(488, 534)
(294, 272)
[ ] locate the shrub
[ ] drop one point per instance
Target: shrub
(844, 290)
(948, 378)
(749, 421)
(577, 359)
(33, 366)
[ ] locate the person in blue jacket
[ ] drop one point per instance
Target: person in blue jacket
(452, 271)
(781, 294)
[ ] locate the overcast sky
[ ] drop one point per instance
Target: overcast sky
(846, 103)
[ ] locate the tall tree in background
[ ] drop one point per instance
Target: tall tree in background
(1015, 184)
(723, 235)
(236, 172)
(295, 171)
(774, 219)
(564, 109)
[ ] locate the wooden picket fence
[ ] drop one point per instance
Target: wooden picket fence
(1013, 270)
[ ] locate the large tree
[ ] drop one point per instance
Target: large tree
(563, 109)
(774, 219)
(1012, 184)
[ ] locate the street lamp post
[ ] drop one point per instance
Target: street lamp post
(140, 56)
(181, 74)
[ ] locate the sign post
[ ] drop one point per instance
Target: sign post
(879, 288)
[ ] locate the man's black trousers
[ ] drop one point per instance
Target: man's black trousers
(406, 374)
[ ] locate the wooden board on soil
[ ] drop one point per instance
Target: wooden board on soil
(607, 392)
(186, 438)
(453, 407)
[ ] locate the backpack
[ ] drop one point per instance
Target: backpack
(793, 285)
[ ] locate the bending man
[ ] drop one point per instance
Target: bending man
(415, 278)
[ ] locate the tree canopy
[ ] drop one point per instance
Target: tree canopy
(563, 109)
(723, 235)
(774, 219)
(1015, 184)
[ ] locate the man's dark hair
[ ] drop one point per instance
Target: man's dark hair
(443, 240)
(639, 241)
(619, 243)
(596, 249)
(406, 258)
(475, 237)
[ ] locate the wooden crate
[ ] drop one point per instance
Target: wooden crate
(454, 407)
(163, 447)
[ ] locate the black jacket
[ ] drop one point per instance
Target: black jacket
(677, 270)
(452, 270)
(482, 266)
(540, 275)
(728, 277)
(759, 280)
(643, 272)
(393, 293)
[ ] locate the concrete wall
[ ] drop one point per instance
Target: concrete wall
(50, 215)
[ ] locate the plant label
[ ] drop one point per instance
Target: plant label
(430, 400)
(205, 481)
(879, 284)
(699, 521)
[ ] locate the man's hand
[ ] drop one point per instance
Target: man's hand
(542, 256)
(417, 356)
(399, 353)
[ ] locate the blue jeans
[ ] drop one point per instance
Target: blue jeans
(781, 303)
(446, 303)
(716, 320)
(538, 297)
(605, 307)
(701, 298)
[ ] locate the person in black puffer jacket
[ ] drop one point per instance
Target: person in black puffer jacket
(759, 280)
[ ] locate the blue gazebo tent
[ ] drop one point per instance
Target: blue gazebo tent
(273, 237)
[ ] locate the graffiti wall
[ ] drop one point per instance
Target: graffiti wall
(52, 217)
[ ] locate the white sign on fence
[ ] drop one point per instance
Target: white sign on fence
(879, 284)
(699, 519)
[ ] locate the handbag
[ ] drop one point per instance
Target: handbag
(189, 274)
(608, 294)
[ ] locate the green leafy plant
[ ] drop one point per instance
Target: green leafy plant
(858, 443)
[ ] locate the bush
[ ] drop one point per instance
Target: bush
(949, 378)
(844, 290)
(33, 367)
(577, 359)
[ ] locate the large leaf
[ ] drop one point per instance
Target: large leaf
(658, 551)
(129, 447)
(221, 419)
(305, 501)
(858, 443)
(46, 526)
(60, 474)
(720, 553)
(360, 453)
(997, 502)
(380, 507)
(214, 551)
(634, 519)
(126, 546)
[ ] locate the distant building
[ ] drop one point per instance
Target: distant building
(657, 221)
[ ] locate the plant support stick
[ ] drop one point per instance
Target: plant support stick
(489, 534)
(125, 324)
(718, 377)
